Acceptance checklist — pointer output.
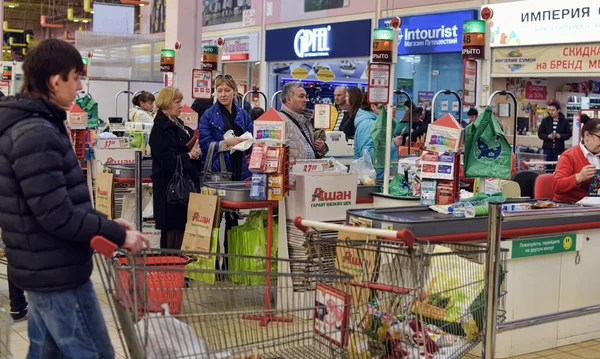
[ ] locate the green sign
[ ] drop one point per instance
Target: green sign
(383, 34)
(167, 53)
(544, 245)
(474, 26)
(210, 49)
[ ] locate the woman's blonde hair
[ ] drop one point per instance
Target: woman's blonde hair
(166, 96)
(225, 80)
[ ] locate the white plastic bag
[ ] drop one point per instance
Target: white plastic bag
(170, 338)
(336, 166)
(365, 170)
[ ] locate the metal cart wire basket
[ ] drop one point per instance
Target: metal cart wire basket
(531, 161)
(5, 329)
(420, 299)
(210, 316)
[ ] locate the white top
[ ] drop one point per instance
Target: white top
(592, 158)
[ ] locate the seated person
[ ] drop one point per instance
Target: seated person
(578, 165)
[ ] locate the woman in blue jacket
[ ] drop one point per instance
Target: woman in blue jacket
(223, 116)
(363, 122)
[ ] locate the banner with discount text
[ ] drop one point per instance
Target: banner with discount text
(576, 59)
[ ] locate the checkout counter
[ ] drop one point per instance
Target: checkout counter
(558, 272)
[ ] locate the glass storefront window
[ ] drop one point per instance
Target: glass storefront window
(424, 75)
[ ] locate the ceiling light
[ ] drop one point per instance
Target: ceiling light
(141, 5)
(11, 6)
(75, 20)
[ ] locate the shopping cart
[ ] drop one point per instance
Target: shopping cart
(531, 161)
(210, 316)
(5, 329)
(419, 299)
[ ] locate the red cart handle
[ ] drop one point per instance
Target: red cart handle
(103, 246)
(404, 235)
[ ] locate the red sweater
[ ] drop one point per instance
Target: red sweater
(564, 184)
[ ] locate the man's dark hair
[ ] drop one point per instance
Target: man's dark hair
(555, 104)
(473, 112)
(50, 57)
(419, 111)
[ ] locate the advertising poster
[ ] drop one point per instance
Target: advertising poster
(317, 5)
(379, 79)
(536, 89)
(158, 14)
(406, 85)
(216, 12)
(341, 69)
(425, 98)
(202, 84)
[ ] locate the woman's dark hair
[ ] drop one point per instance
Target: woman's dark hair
(473, 112)
(410, 105)
(584, 119)
(143, 96)
(365, 105)
(49, 58)
(355, 100)
(256, 113)
(554, 104)
(590, 126)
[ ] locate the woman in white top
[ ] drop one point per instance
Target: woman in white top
(143, 104)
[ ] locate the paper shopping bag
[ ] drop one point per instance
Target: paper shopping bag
(104, 194)
(201, 213)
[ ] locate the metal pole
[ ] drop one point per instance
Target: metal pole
(388, 130)
(515, 110)
(273, 98)
(138, 190)
(492, 280)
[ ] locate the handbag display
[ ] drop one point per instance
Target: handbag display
(180, 186)
(208, 175)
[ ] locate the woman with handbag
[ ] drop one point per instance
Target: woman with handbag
(175, 167)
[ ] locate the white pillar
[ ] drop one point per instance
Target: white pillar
(183, 24)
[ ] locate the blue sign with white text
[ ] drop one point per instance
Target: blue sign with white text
(429, 34)
(335, 40)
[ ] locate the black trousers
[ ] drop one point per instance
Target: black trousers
(16, 296)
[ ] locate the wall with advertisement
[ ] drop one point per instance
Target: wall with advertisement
(430, 54)
(221, 15)
(237, 48)
(388, 5)
(278, 11)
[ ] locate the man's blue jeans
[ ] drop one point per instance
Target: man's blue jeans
(67, 324)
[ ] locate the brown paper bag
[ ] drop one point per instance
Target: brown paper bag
(104, 194)
(350, 260)
(202, 210)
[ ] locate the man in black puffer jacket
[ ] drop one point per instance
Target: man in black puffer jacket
(46, 215)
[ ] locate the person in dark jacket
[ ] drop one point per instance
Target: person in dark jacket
(222, 117)
(168, 140)
(554, 131)
(46, 215)
(201, 105)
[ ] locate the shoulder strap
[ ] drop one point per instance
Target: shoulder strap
(301, 131)
(209, 157)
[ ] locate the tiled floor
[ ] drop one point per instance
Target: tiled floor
(19, 342)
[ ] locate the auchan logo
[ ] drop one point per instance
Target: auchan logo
(201, 219)
(349, 260)
(321, 195)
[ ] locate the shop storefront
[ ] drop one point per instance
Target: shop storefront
(239, 58)
(543, 53)
(322, 56)
(430, 58)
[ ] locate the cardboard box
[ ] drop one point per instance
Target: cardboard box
(322, 196)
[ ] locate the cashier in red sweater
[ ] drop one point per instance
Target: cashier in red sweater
(577, 165)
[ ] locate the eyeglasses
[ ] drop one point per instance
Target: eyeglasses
(591, 133)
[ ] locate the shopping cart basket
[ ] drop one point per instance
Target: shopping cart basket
(421, 299)
(217, 318)
(5, 329)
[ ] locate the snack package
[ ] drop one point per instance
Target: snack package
(258, 158)
(273, 161)
(258, 187)
(276, 187)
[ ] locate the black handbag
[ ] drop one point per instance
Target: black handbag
(180, 186)
(207, 174)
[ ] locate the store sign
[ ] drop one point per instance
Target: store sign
(167, 60)
(572, 59)
(473, 40)
(210, 57)
(536, 89)
(544, 245)
(379, 83)
(201, 84)
(383, 43)
(428, 34)
(319, 41)
(237, 48)
(544, 23)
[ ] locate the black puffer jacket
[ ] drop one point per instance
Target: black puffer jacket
(46, 216)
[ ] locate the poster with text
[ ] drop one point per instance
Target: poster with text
(425, 98)
(406, 85)
(216, 12)
(317, 5)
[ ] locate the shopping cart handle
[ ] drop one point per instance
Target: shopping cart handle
(298, 224)
(103, 246)
(407, 237)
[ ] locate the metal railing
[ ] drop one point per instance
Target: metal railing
(491, 326)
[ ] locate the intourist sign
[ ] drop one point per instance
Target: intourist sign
(435, 33)
(349, 39)
(533, 23)
(535, 60)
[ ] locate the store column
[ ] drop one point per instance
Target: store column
(184, 25)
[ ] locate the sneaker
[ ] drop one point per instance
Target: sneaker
(19, 316)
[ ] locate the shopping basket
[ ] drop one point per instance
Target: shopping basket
(221, 319)
(421, 299)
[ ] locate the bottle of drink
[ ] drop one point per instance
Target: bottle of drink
(458, 210)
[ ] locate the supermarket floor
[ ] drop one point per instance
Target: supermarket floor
(19, 341)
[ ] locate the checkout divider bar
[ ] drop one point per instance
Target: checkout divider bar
(492, 280)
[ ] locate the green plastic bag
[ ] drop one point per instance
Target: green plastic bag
(378, 135)
(487, 152)
(205, 263)
(91, 107)
(399, 186)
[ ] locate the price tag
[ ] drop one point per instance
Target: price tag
(309, 166)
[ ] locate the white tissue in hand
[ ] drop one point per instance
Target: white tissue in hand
(244, 146)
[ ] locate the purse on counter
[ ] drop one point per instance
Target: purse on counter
(180, 186)
(208, 175)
